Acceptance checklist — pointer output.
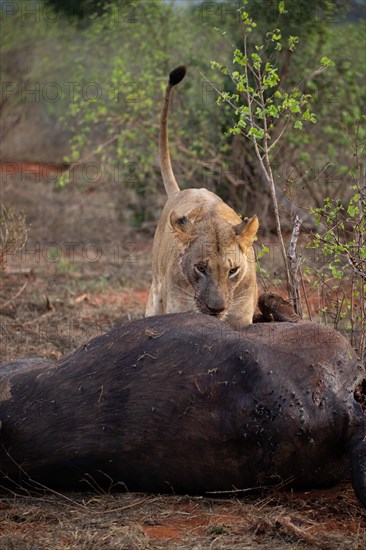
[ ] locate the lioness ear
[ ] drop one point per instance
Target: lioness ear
(246, 231)
(182, 226)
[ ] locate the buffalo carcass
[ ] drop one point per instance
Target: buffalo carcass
(183, 403)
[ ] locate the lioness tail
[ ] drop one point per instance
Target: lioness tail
(170, 183)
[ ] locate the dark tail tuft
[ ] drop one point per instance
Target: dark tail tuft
(177, 75)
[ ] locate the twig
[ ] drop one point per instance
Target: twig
(237, 491)
(274, 143)
(17, 271)
(234, 490)
(127, 506)
(287, 523)
(305, 295)
(40, 485)
(96, 487)
(294, 263)
(13, 298)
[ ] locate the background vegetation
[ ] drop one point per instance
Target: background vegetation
(90, 77)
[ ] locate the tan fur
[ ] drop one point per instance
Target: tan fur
(199, 239)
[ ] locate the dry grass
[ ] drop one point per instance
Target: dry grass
(13, 232)
(320, 519)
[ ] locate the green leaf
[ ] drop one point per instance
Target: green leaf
(281, 7)
(240, 58)
(258, 133)
(235, 130)
(326, 62)
(353, 210)
(292, 42)
(307, 115)
(298, 124)
(257, 58)
(272, 111)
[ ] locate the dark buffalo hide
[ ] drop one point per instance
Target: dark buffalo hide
(183, 403)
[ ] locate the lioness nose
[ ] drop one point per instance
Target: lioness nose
(216, 310)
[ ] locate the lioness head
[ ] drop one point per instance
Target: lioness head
(217, 260)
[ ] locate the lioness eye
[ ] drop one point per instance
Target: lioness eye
(201, 269)
(234, 271)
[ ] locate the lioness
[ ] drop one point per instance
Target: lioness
(203, 259)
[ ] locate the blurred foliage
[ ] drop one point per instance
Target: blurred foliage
(264, 111)
(83, 9)
(308, 165)
(271, 102)
(101, 85)
(339, 246)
